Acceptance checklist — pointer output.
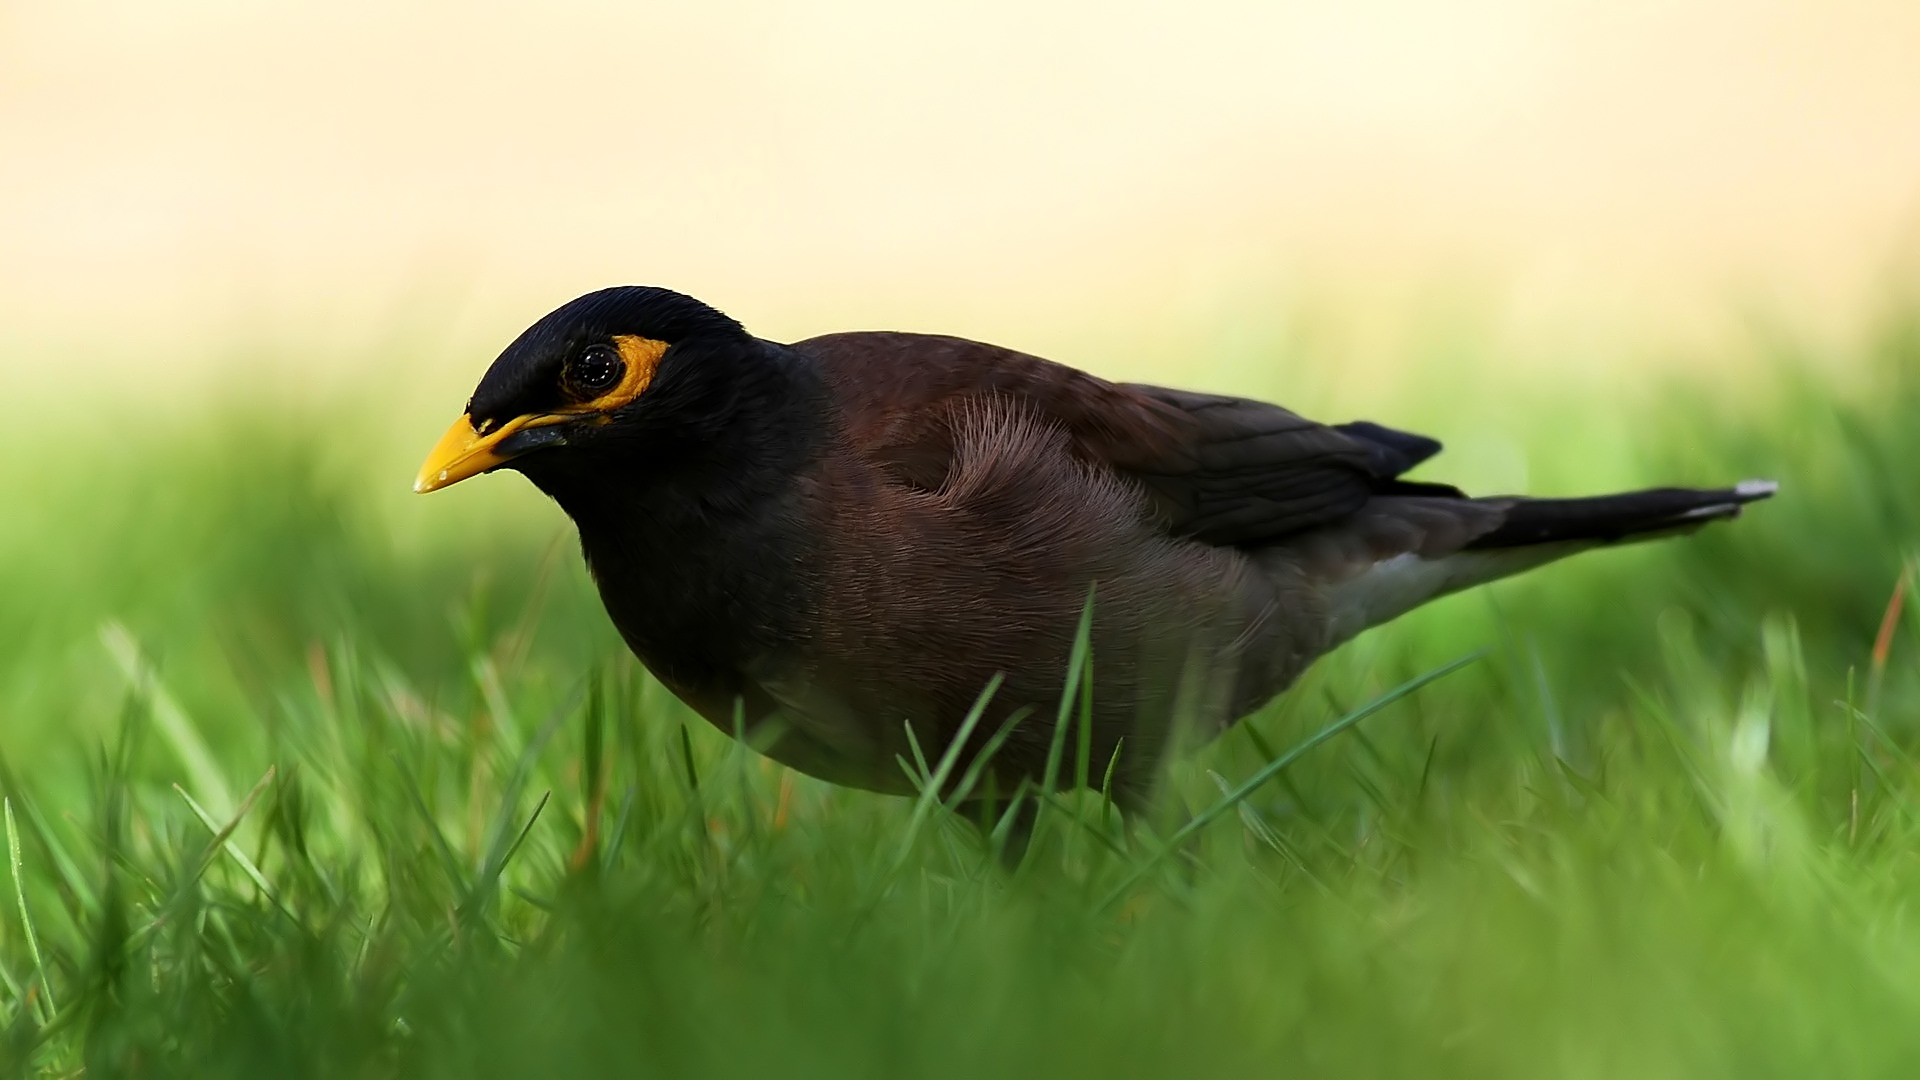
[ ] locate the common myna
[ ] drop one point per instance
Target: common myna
(825, 542)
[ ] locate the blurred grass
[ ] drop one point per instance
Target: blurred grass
(312, 778)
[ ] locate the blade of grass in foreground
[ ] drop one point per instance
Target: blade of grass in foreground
(247, 866)
(935, 783)
(172, 720)
(48, 1008)
(1273, 768)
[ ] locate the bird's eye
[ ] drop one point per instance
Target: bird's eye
(596, 370)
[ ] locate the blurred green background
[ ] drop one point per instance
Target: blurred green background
(308, 776)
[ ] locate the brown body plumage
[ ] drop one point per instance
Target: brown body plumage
(835, 539)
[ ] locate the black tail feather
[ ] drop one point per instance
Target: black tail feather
(1607, 518)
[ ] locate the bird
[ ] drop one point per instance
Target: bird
(875, 547)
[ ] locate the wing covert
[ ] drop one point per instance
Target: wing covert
(1222, 470)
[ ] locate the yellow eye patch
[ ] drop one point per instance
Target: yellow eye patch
(642, 357)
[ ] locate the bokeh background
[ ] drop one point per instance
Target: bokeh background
(1587, 182)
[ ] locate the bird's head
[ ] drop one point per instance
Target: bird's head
(580, 373)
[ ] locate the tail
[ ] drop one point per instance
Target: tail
(1401, 552)
(1607, 519)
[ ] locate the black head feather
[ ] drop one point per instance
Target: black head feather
(526, 376)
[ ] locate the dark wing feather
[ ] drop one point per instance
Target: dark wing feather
(1248, 471)
(1223, 470)
(1390, 452)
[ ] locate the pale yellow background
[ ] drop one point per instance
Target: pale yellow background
(362, 183)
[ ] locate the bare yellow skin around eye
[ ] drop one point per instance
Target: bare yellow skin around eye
(464, 452)
(642, 357)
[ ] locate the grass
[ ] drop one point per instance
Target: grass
(305, 779)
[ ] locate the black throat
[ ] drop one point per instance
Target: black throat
(693, 513)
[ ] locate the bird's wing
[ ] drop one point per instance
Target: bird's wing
(1221, 470)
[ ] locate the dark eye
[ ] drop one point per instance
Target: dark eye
(596, 370)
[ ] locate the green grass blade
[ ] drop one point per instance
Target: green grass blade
(500, 832)
(449, 863)
(1253, 783)
(1069, 692)
(930, 793)
(481, 893)
(49, 1009)
(41, 831)
(233, 849)
(181, 733)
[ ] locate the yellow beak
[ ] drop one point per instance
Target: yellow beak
(464, 452)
